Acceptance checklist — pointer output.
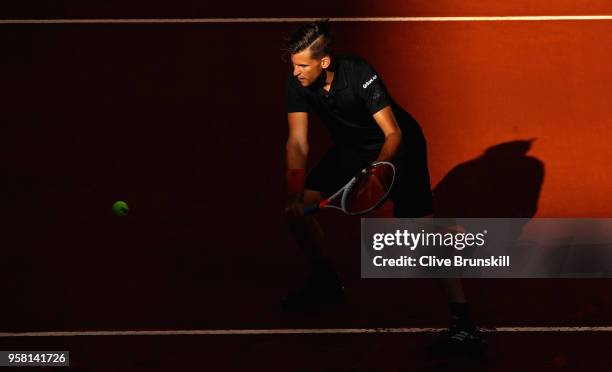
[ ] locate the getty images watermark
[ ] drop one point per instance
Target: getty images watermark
(423, 239)
(511, 247)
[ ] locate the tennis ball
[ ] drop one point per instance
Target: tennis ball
(120, 208)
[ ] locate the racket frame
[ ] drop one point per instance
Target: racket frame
(325, 203)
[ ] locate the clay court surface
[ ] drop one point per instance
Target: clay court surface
(185, 121)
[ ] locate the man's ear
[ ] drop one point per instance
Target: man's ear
(325, 62)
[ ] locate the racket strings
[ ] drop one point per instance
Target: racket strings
(369, 189)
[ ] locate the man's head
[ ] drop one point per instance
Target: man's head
(310, 47)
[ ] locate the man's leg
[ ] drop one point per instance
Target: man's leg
(463, 336)
(323, 286)
(307, 230)
(453, 287)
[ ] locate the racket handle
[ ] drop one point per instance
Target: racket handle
(311, 209)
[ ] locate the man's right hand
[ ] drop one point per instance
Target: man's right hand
(295, 206)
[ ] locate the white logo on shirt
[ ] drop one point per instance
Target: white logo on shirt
(367, 83)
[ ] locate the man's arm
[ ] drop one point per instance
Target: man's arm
(297, 143)
(393, 134)
(297, 153)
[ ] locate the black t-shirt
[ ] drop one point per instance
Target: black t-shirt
(357, 92)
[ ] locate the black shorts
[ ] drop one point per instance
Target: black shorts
(411, 192)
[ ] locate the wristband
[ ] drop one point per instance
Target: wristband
(295, 180)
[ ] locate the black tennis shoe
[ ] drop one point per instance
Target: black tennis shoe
(460, 340)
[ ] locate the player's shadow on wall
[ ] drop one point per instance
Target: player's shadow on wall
(503, 182)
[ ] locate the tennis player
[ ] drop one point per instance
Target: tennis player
(366, 125)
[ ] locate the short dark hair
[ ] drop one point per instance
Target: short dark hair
(314, 35)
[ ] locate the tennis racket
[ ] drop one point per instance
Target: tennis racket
(363, 193)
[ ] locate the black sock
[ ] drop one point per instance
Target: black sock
(460, 315)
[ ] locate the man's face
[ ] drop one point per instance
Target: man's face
(306, 69)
